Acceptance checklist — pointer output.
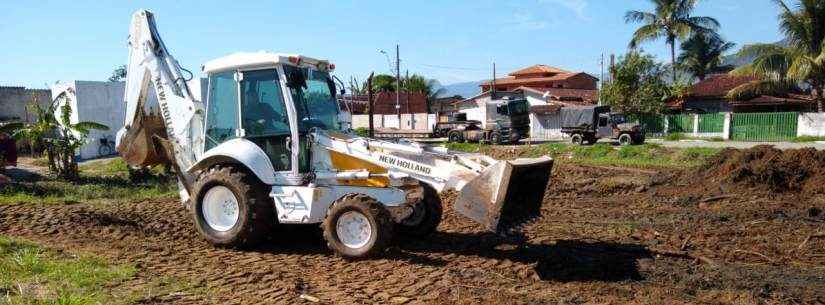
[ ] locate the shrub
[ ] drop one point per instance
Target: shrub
(675, 136)
(362, 132)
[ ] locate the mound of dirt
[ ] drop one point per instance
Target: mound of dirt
(798, 170)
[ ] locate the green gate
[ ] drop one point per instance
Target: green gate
(711, 122)
(680, 123)
(769, 126)
(654, 124)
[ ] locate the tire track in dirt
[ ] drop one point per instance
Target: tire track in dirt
(590, 245)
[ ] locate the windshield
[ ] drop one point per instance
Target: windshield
(619, 119)
(518, 107)
(312, 92)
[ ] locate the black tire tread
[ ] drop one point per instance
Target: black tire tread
(375, 211)
(260, 210)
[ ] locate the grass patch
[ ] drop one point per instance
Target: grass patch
(675, 136)
(100, 181)
(30, 274)
(804, 139)
(647, 155)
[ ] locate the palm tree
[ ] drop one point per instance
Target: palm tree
(702, 54)
(57, 134)
(781, 68)
(671, 19)
(417, 83)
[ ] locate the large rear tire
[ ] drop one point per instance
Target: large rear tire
(232, 208)
(576, 139)
(357, 226)
(455, 137)
(426, 215)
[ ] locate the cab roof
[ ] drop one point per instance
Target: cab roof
(245, 60)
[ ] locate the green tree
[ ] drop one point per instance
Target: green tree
(780, 69)
(383, 83)
(702, 54)
(638, 85)
(57, 135)
(417, 83)
(671, 20)
(118, 74)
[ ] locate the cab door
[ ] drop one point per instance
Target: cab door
(264, 115)
(604, 128)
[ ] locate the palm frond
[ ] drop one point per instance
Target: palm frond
(638, 16)
(11, 127)
(89, 126)
(646, 33)
(756, 88)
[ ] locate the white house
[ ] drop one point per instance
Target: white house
(102, 102)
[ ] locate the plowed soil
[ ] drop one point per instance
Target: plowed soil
(606, 236)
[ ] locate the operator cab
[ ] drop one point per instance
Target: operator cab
(270, 99)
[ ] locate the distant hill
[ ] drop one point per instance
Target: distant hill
(466, 89)
(738, 61)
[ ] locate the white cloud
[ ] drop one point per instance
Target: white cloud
(577, 6)
(526, 21)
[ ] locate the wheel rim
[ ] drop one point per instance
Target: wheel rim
(220, 208)
(353, 229)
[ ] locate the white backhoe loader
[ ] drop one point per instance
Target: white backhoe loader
(267, 148)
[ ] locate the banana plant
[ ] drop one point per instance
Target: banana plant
(58, 136)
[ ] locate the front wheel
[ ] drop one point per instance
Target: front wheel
(357, 226)
(231, 208)
(495, 138)
(625, 139)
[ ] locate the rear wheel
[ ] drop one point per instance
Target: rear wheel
(231, 207)
(625, 139)
(357, 226)
(455, 137)
(577, 139)
(426, 215)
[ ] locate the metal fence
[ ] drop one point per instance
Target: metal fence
(769, 126)
(712, 123)
(773, 126)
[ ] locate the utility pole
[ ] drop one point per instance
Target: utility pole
(371, 105)
(601, 78)
(493, 83)
(398, 85)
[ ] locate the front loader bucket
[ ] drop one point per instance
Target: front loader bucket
(506, 193)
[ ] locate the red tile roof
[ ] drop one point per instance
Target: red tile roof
(534, 80)
(718, 85)
(536, 69)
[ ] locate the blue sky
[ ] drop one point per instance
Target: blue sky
(452, 41)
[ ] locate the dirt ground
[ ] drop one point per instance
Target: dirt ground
(607, 235)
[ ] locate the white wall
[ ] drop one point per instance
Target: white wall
(100, 102)
(419, 121)
(811, 124)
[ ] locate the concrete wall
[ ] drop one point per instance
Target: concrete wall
(417, 121)
(811, 124)
(100, 102)
(13, 101)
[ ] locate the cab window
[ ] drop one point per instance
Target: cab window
(222, 109)
(264, 116)
(602, 121)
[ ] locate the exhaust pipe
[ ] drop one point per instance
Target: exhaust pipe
(506, 193)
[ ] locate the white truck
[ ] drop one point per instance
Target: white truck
(267, 148)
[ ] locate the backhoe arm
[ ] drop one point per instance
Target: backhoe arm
(173, 133)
